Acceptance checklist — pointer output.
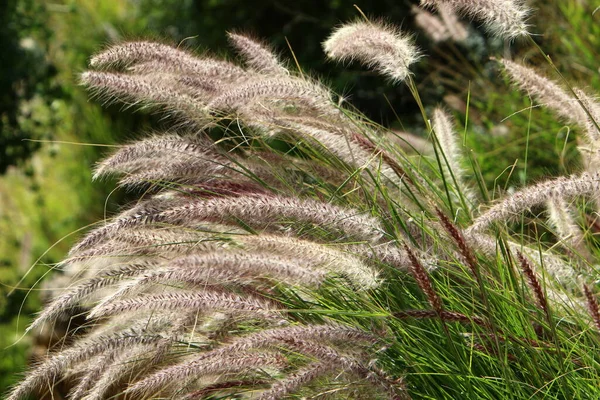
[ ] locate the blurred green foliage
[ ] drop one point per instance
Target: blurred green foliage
(24, 73)
(46, 193)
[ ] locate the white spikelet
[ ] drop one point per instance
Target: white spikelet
(546, 91)
(136, 90)
(568, 231)
(378, 46)
(157, 57)
(257, 55)
(433, 26)
(449, 143)
(456, 29)
(505, 18)
(514, 205)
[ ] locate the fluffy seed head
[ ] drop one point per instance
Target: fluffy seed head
(376, 45)
(433, 26)
(441, 27)
(256, 55)
(523, 200)
(456, 29)
(504, 18)
(547, 92)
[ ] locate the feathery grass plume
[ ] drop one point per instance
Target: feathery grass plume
(448, 140)
(459, 238)
(144, 242)
(132, 157)
(222, 386)
(256, 54)
(390, 253)
(74, 295)
(194, 177)
(433, 26)
(147, 239)
(582, 110)
(556, 266)
(345, 363)
(84, 350)
(535, 285)
(300, 378)
(592, 118)
(242, 362)
(348, 363)
(240, 267)
(164, 58)
(288, 89)
(339, 260)
(344, 145)
(546, 91)
(141, 90)
(91, 376)
(195, 86)
(265, 363)
(422, 278)
(592, 304)
(114, 371)
(205, 73)
(456, 29)
(272, 338)
(441, 27)
(504, 18)
(560, 216)
(202, 89)
(205, 300)
(374, 44)
(219, 269)
(260, 212)
(513, 206)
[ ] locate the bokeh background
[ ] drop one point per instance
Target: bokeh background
(51, 134)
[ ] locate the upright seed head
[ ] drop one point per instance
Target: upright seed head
(534, 283)
(422, 278)
(592, 304)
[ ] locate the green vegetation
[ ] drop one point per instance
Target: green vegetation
(47, 196)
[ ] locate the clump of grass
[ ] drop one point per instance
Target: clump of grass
(282, 247)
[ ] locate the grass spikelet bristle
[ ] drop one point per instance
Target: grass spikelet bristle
(422, 277)
(379, 46)
(592, 304)
(279, 244)
(534, 283)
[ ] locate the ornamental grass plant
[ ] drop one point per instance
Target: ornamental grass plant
(283, 245)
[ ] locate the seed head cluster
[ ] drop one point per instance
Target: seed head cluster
(266, 195)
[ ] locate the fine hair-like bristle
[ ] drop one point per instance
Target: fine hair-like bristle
(443, 26)
(374, 44)
(505, 18)
(256, 54)
(523, 200)
(269, 251)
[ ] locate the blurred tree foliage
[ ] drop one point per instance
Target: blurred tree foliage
(24, 73)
